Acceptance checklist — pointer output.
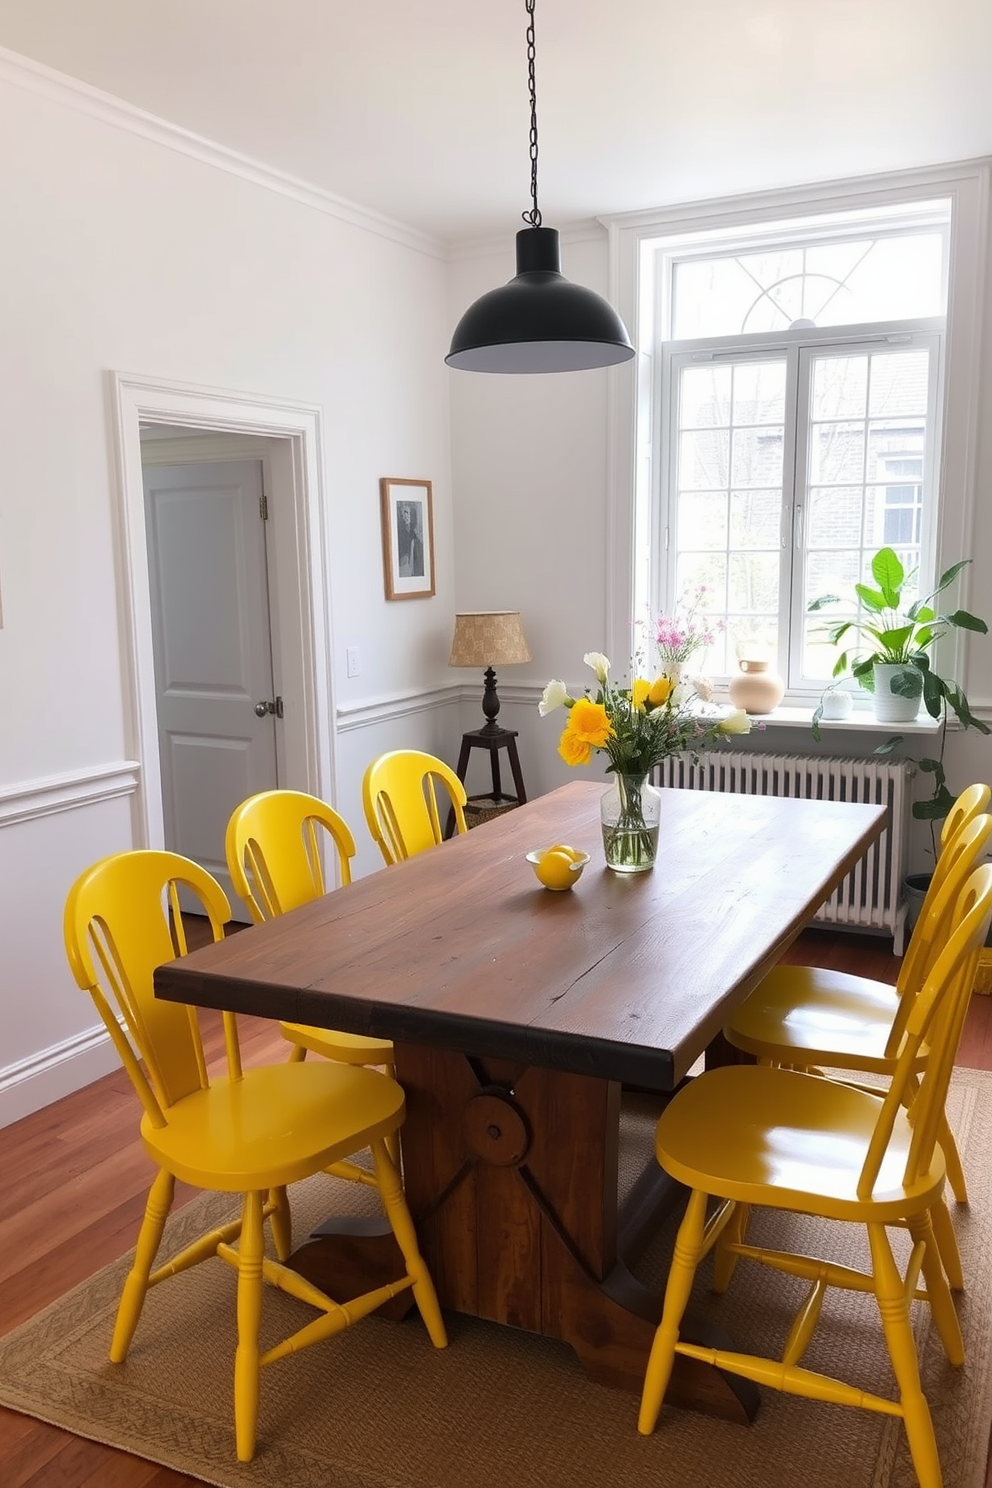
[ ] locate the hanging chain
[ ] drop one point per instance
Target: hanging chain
(533, 217)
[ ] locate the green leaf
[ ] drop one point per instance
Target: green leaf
(934, 692)
(889, 575)
(872, 599)
(934, 809)
(951, 574)
(907, 683)
(930, 766)
(964, 621)
(895, 642)
(920, 612)
(824, 599)
(889, 745)
(814, 723)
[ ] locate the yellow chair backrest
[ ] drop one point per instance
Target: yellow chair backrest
(962, 849)
(121, 921)
(936, 1019)
(400, 798)
(972, 800)
(273, 848)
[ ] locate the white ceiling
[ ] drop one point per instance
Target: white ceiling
(418, 108)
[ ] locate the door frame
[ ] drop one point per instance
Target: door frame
(301, 609)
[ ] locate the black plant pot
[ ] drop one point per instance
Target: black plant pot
(915, 886)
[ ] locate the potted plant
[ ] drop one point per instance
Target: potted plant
(895, 663)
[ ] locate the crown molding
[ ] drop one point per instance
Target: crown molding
(59, 87)
(588, 230)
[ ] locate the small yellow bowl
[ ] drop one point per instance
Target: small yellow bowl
(557, 867)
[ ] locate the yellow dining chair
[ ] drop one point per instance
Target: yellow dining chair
(760, 1135)
(249, 1132)
(805, 1016)
(273, 856)
(400, 798)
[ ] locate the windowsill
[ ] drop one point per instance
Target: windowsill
(861, 721)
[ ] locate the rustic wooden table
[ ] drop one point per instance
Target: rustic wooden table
(518, 1014)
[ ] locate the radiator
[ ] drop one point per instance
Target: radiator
(870, 896)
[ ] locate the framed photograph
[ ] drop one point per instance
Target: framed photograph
(407, 537)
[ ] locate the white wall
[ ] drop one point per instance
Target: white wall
(119, 253)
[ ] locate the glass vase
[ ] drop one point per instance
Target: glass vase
(630, 813)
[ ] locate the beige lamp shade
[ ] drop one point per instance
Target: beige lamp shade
(489, 638)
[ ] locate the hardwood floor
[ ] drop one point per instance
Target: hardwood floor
(75, 1179)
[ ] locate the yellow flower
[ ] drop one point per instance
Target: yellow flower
(573, 750)
(661, 691)
(590, 722)
(640, 693)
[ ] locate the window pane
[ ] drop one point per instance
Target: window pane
(837, 452)
(840, 386)
(849, 281)
(755, 518)
(705, 397)
(759, 392)
(899, 382)
(702, 520)
(704, 460)
(834, 517)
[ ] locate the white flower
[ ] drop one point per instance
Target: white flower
(599, 664)
(554, 696)
(735, 723)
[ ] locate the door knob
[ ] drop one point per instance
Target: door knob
(275, 706)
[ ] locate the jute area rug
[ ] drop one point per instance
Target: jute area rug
(379, 1408)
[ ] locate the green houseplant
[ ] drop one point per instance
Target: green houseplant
(898, 639)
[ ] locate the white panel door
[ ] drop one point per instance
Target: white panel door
(213, 652)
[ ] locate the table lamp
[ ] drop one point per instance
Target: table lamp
(489, 638)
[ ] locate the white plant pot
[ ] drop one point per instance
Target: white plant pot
(836, 705)
(894, 707)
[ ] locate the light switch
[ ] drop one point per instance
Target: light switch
(353, 661)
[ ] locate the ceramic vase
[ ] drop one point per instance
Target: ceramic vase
(630, 815)
(756, 688)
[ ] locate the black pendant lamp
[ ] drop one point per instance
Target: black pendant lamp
(538, 321)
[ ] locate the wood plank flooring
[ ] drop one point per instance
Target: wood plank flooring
(74, 1185)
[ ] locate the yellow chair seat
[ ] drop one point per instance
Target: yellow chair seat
(810, 1015)
(788, 1140)
(226, 1138)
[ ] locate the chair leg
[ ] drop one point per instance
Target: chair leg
(401, 1222)
(688, 1244)
(894, 1309)
(281, 1221)
(724, 1261)
(947, 1245)
(157, 1207)
(938, 1292)
(246, 1365)
(952, 1159)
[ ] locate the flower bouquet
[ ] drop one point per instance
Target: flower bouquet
(636, 727)
(680, 636)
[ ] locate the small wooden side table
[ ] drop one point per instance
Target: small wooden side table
(493, 738)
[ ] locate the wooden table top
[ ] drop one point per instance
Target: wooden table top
(627, 977)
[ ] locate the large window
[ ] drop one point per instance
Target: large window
(796, 419)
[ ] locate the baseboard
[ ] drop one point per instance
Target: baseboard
(52, 1073)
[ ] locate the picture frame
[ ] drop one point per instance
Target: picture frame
(407, 537)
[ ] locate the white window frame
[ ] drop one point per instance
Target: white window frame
(796, 348)
(634, 240)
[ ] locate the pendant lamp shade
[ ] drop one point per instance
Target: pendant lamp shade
(538, 321)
